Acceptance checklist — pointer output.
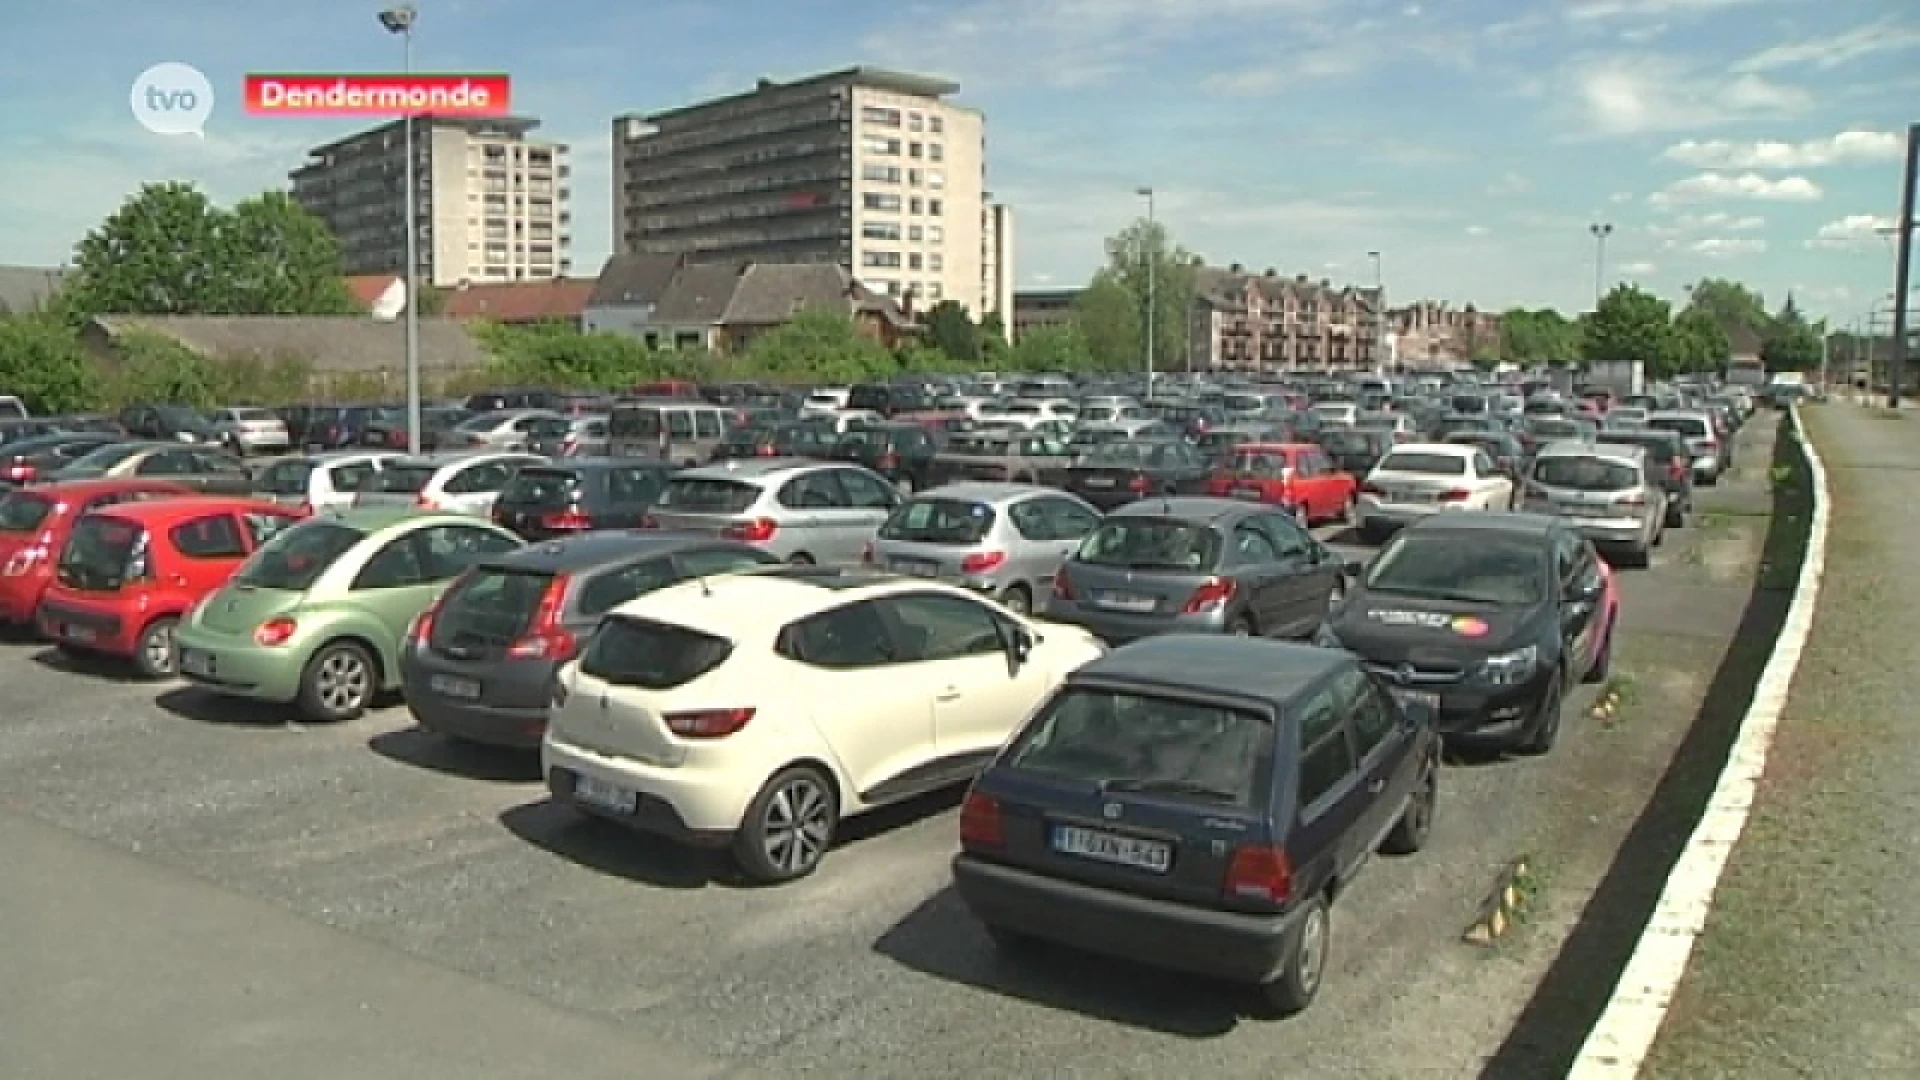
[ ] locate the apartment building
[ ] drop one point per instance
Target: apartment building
(493, 203)
(868, 169)
(1267, 322)
(1432, 333)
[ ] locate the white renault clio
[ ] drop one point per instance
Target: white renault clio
(759, 710)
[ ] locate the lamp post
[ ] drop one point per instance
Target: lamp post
(1153, 272)
(1379, 310)
(1600, 231)
(400, 20)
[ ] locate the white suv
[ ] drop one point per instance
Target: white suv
(761, 709)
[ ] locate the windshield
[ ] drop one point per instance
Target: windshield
(1691, 427)
(23, 511)
(104, 459)
(1467, 567)
(1586, 474)
(1167, 748)
(1149, 543)
(102, 553)
(286, 477)
(1257, 463)
(707, 495)
(1554, 429)
(649, 655)
(400, 479)
(488, 607)
(295, 558)
(939, 521)
(1426, 464)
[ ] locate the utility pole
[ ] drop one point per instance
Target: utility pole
(400, 20)
(1903, 270)
(1600, 231)
(1152, 249)
(1379, 312)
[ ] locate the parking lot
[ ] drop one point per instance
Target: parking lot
(871, 967)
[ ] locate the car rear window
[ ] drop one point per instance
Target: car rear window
(707, 495)
(288, 477)
(649, 655)
(254, 416)
(23, 511)
(1149, 543)
(350, 477)
(939, 521)
(1585, 473)
(100, 552)
(1428, 464)
(634, 423)
(401, 479)
(1177, 750)
(541, 488)
(295, 558)
(1259, 464)
(1691, 427)
(552, 427)
(489, 607)
(1348, 441)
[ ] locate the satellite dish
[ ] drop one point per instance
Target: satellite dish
(392, 301)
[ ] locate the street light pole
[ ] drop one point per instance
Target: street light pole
(1600, 231)
(1153, 271)
(1379, 310)
(400, 20)
(1903, 270)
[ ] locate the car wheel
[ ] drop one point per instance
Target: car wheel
(155, 657)
(1544, 731)
(1410, 833)
(1306, 962)
(1676, 516)
(1017, 599)
(800, 558)
(1302, 516)
(789, 826)
(1603, 663)
(1640, 556)
(1241, 626)
(338, 683)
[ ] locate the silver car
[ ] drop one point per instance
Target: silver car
(464, 482)
(1703, 440)
(250, 431)
(1611, 493)
(570, 437)
(506, 429)
(802, 511)
(1005, 540)
(323, 481)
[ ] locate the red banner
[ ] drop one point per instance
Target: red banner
(378, 95)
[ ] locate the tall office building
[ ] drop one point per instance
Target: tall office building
(871, 169)
(493, 202)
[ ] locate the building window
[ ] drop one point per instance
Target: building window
(936, 178)
(936, 124)
(880, 230)
(913, 233)
(913, 150)
(936, 152)
(935, 292)
(913, 205)
(881, 174)
(876, 201)
(880, 258)
(913, 121)
(933, 207)
(913, 261)
(936, 262)
(876, 144)
(913, 177)
(893, 288)
(884, 117)
(936, 234)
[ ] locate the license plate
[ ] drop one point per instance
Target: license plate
(196, 662)
(1248, 493)
(1425, 699)
(604, 795)
(454, 686)
(917, 569)
(83, 634)
(1587, 511)
(1099, 481)
(1126, 602)
(1410, 497)
(1155, 856)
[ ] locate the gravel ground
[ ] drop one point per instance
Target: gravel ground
(1808, 965)
(871, 968)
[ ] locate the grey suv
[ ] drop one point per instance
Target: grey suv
(798, 510)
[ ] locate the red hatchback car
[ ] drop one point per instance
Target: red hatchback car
(34, 522)
(128, 573)
(1298, 476)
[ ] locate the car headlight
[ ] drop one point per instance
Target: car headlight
(1511, 668)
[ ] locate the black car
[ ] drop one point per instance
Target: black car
(480, 663)
(29, 461)
(167, 423)
(1492, 617)
(1356, 450)
(580, 494)
(1118, 473)
(903, 453)
(1677, 474)
(800, 438)
(890, 399)
(1197, 804)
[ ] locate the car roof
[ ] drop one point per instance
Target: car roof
(1591, 449)
(101, 485)
(573, 464)
(748, 603)
(1276, 447)
(1198, 508)
(986, 491)
(591, 550)
(756, 468)
(440, 459)
(1269, 671)
(146, 510)
(1441, 448)
(1511, 522)
(374, 518)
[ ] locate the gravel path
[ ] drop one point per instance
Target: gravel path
(1809, 961)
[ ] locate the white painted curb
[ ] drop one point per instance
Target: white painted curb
(1617, 1046)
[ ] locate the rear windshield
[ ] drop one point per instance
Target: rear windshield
(541, 487)
(1586, 474)
(106, 457)
(401, 479)
(1555, 429)
(22, 511)
(876, 398)
(707, 495)
(1429, 464)
(100, 552)
(650, 655)
(480, 423)
(1259, 464)
(288, 477)
(1348, 441)
(489, 607)
(1692, 427)
(552, 427)
(351, 476)
(1178, 750)
(939, 521)
(254, 416)
(634, 423)
(1126, 455)
(294, 559)
(1149, 543)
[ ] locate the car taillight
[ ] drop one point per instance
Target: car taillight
(567, 520)
(866, 554)
(396, 437)
(21, 473)
(546, 638)
(1062, 587)
(275, 631)
(707, 723)
(981, 562)
(766, 450)
(1139, 484)
(757, 531)
(25, 559)
(1677, 468)
(1632, 502)
(888, 460)
(421, 628)
(1260, 873)
(1453, 496)
(570, 447)
(981, 827)
(426, 502)
(1212, 593)
(649, 522)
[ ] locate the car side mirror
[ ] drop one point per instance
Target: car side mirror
(1019, 649)
(1585, 592)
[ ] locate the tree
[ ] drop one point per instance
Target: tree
(169, 251)
(1109, 316)
(819, 346)
(1695, 344)
(1731, 305)
(157, 370)
(1142, 259)
(1791, 344)
(43, 364)
(951, 330)
(1060, 348)
(1542, 336)
(1629, 324)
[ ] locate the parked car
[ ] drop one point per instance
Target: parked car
(800, 511)
(479, 664)
(902, 453)
(1611, 494)
(682, 431)
(35, 523)
(1197, 805)
(328, 480)
(1355, 450)
(166, 423)
(1509, 456)
(1677, 474)
(316, 617)
(1490, 619)
(1219, 444)
(243, 431)
(202, 468)
(1116, 474)
(1703, 438)
(759, 711)
(577, 495)
(1003, 540)
(796, 439)
(1297, 477)
(464, 481)
(508, 429)
(30, 461)
(1418, 479)
(386, 429)
(1197, 564)
(130, 571)
(580, 436)
(1539, 431)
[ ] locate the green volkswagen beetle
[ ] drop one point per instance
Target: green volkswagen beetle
(318, 615)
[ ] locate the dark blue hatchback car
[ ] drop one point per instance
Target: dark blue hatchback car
(1198, 803)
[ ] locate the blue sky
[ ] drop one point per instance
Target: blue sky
(1472, 142)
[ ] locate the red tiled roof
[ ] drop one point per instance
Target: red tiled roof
(366, 288)
(520, 301)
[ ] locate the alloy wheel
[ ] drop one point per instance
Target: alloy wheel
(158, 649)
(1311, 960)
(343, 682)
(797, 826)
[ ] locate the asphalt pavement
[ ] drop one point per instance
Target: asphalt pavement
(469, 903)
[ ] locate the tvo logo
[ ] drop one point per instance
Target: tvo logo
(172, 99)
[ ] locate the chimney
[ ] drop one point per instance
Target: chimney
(1326, 284)
(1236, 268)
(764, 83)
(1269, 272)
(1299, 279)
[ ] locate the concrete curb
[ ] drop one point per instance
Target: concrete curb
(1618, 1045)
(1502, 906)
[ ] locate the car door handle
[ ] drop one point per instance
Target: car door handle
(951, 693)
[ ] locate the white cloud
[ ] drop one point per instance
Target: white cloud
(1845, 148)
(1853, 232)
(1884, 36)
(1476, 230)
(1714, 185)
(1634, 94)
(1638, 269)
(1620, 197)
(1510, 184)
(1599, 10)
(1723, 247)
